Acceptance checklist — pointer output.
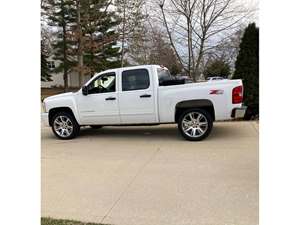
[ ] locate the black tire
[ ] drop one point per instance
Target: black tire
(75, 127)
(208, 127)
(96, 126)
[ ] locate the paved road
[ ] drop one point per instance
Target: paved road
(151, 176)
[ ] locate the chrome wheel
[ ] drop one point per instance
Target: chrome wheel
(194, 124)
(63, 126)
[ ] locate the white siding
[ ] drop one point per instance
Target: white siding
(58, 80)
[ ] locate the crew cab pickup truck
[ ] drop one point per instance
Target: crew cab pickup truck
(142, 95)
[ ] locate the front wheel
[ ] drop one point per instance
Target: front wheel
(195, 124)
(65, 126)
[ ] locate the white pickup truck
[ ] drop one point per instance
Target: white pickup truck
(142, 95)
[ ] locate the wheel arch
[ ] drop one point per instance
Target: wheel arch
(195, 103)
(55, 110)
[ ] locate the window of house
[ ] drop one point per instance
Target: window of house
(135, 79)
(103, 84)
(51, 65)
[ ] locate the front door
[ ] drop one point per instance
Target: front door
(100, 106)
(136, 97)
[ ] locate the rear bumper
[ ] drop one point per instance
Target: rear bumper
(238, 112)
(45, 119)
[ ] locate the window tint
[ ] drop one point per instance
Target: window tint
(103, 84)
(135, 79)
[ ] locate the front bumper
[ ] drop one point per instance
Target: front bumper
(45, 119)
(238, 112)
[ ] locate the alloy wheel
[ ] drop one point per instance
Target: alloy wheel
(194, 124)
(63, 126)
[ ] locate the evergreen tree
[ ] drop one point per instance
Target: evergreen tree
(247, 68)
(62, 15)
(218, 68)
(98, 26)
(45, 49)
(45, 72)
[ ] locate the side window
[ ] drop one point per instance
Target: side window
(135, 80)
(103, 84)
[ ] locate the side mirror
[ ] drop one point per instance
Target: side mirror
(84, 90)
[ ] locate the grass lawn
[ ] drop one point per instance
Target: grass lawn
(50, 221)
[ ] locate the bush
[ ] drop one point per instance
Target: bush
(247, 69)
(218, 68)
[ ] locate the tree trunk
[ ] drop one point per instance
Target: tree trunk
(93, 70)
(79, 56)
(189, 46)
(123, 34)
(80, 72)
(170, 38)
(65, 59)
(200, 57)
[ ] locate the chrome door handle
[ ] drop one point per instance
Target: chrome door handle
(145, 96)
(110, 98)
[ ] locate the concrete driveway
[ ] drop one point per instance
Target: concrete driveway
(151, 176)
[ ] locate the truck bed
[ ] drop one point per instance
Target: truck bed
(169, 96)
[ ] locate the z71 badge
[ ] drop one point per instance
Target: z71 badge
(216, 92)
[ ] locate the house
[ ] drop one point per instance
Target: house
(57, 78)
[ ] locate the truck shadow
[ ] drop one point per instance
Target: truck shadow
(220, 131)
(132, 132)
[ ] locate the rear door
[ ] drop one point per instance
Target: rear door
(136, 97)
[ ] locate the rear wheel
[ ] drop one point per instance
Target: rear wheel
(195, 124)
(64, 125)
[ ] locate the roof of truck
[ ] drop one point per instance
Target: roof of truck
(130, 67)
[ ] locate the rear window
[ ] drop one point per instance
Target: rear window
(163, 75)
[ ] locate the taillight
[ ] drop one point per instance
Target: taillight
(237, 95)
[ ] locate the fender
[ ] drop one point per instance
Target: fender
(62, 102)
(195, 103)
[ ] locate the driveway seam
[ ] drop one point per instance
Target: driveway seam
(130, 183)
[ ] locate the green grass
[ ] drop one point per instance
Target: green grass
(50, 221)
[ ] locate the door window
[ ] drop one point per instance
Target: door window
(103, 84)
(135, 80)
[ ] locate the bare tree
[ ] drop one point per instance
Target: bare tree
(162, 53)
(139, 47)
(131, 27)
(195, 27)
(226, 51)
